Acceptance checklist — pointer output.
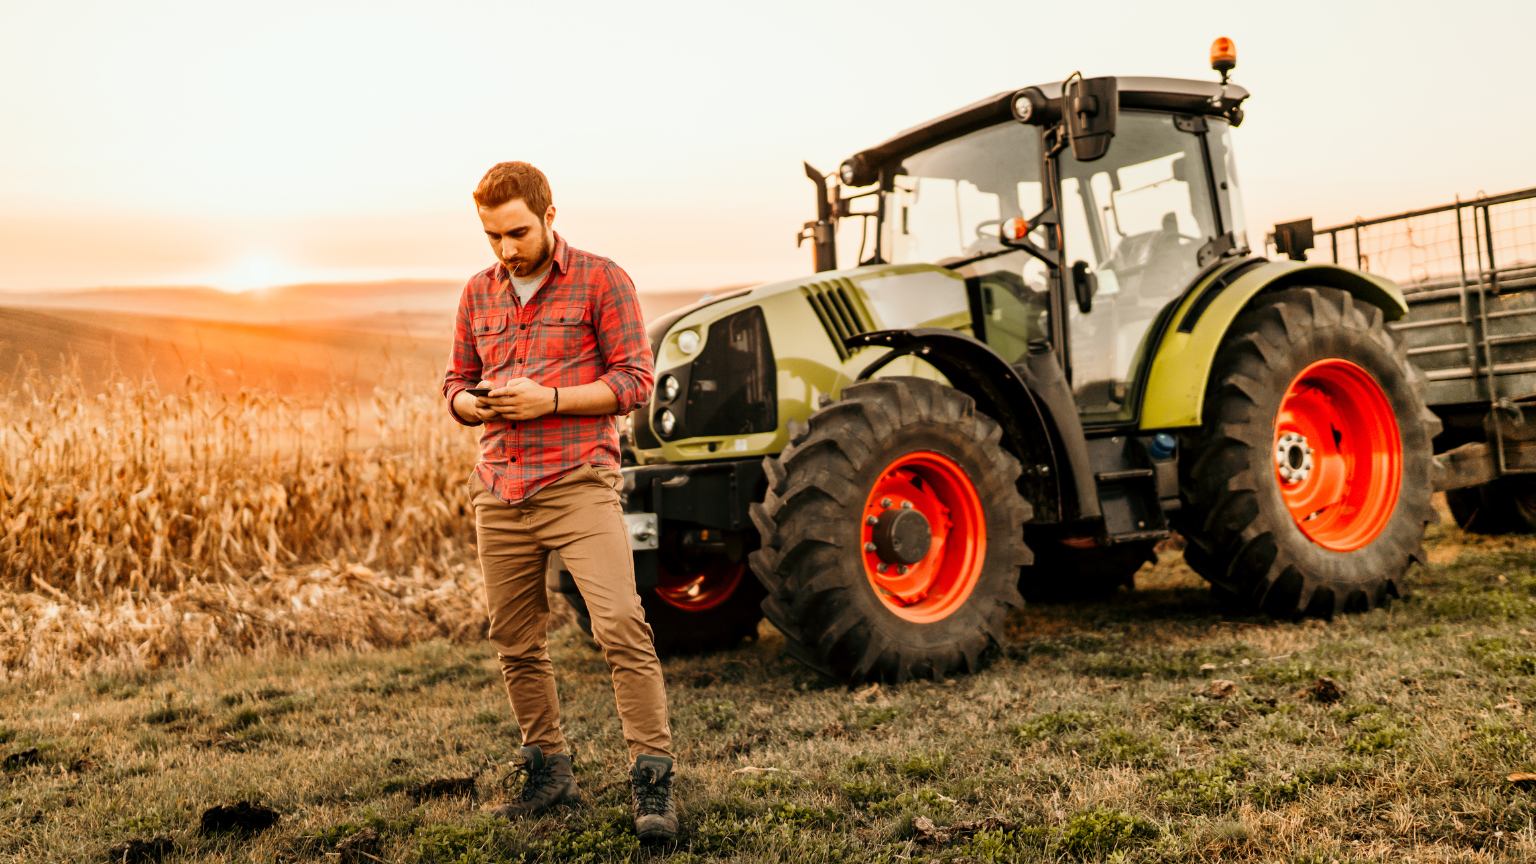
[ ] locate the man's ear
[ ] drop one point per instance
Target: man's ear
(549, 217)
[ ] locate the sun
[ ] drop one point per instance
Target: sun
(254, 272)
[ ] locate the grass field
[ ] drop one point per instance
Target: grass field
(1150, 728)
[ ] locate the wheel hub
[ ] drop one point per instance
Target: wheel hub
(1338, 454)
(902, 536)
(1293, 457)
(923, 536)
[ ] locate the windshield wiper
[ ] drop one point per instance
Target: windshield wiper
(961, 262)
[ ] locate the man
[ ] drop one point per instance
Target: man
(556, 335)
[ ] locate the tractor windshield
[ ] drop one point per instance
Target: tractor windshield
(949, 200)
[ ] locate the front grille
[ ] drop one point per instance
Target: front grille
(842, 313)
(731, 387)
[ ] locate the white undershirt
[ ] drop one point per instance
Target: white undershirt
(525, 286)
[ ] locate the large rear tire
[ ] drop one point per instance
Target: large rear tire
(1307, 490)
(892, 534)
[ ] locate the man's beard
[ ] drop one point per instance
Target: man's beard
(521, 270)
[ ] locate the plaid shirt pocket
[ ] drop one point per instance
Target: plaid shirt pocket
(565, 329)
(490, 339)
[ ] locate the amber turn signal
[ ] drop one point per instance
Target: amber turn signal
(1016, 228)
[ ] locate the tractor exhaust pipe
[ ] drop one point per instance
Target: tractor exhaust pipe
(820, 232)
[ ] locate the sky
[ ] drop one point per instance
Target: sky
(246, 144)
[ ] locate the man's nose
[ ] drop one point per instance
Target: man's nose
(507, 247)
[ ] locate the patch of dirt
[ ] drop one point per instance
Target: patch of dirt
(22, 758)
(242, 816)
(1324, 690)
(140, 851)
(442, 787)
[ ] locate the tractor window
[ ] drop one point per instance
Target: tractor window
(1224, 166)
(949, 201)
(1138, 217)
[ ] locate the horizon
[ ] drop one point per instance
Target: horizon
(675, 140)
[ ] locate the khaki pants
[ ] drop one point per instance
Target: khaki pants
(578, 516)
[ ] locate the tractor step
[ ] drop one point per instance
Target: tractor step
(1124, 474)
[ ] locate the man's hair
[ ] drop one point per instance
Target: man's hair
(509, 180)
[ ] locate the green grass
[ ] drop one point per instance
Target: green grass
(1096, 736)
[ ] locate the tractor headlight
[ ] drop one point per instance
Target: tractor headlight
(666, 422)
(669, 388)
(688, 341)
(845, 172)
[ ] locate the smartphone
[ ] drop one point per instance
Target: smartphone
(478, 391)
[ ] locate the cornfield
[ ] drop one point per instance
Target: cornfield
(144, 526)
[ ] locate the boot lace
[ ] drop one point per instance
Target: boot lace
(535, 780)
(651, 792)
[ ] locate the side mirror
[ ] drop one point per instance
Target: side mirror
(1090, 107)
(1293, 239)
(1084, 285)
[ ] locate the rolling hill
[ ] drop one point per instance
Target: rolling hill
(298, 340)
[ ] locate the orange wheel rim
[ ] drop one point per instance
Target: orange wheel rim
(1338, 455)
(701, 588)
(923, 537)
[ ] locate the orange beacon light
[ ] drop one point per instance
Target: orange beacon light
(1223, 56)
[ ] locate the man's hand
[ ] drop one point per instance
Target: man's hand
(521, 399)
(474, 408)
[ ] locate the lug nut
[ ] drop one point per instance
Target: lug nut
(881, 568)
(869, 547)
(902, 570)
(906, 505)
(871, 520)
(886, 503)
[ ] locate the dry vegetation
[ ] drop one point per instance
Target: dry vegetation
(145, 525)
(1147, 729)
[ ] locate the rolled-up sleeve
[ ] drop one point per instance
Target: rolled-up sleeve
(464, 361)
(621, 341)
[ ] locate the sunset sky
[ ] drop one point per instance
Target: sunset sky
(239, 145)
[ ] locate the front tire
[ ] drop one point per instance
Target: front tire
(892, 534)
(1308, 488)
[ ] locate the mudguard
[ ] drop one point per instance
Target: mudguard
(1181, 364)
(1033, 406)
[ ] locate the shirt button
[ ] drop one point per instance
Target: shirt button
(512, 459)
(522, 326)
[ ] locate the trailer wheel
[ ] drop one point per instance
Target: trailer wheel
(1308, 488)
(892, 534)
(699, 603)
(1505, 506)
(1063, 573)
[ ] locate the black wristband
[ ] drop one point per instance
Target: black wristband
(557, 401)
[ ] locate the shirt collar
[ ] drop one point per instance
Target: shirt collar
(561, 258)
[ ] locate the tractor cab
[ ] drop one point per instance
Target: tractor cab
(1078, 213)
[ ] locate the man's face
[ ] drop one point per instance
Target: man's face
(520, 239)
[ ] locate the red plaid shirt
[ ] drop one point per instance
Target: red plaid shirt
(582, 325)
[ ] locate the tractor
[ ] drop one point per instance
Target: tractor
(1036, 344)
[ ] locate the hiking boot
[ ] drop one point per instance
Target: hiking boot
(549, 782)
(655, 814)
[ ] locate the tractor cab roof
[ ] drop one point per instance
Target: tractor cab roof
(1180, 95)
